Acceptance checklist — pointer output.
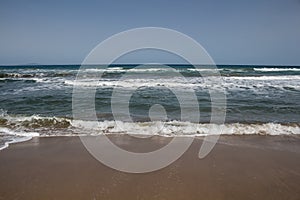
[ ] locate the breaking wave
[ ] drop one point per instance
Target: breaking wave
(23, 128)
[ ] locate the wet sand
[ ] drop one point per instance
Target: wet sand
(239, 167)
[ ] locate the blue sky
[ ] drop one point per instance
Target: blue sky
(233, 32)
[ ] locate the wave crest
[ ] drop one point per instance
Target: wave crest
(55, 126)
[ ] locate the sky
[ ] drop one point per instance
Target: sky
(232, 31)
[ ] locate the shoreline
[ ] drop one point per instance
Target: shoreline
(22, 139)
(239, 167)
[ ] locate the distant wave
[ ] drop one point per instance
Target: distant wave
(121, 69)
(25, 74)
(128, 83)
(283, 82)
(289, 77)
(250, 82)
(16, 75)
(276, 69)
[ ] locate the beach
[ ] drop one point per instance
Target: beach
(149, 100)
(239, 167)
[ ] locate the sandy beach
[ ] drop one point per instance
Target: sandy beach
(199, 98)
(239, 167)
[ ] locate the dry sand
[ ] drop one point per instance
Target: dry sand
(239, 167)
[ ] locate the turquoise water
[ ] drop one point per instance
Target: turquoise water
(38, 99)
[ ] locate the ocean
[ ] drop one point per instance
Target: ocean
(36, 101)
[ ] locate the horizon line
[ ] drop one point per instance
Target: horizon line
(131, 64)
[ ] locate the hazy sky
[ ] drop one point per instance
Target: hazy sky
(233, 32)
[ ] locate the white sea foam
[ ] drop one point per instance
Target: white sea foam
(17, 136)
(6, 131)
(15, 140)
(178, 128)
